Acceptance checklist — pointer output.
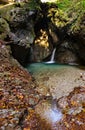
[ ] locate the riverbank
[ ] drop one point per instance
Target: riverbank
(57, 80)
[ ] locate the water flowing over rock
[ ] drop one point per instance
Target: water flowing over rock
(46, 96)
(53, 55)
(44, 26)
(23, 107)
(52, 60)
(44, 118)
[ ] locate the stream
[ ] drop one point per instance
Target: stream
(56, 79)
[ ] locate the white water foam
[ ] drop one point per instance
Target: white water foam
(52, 57)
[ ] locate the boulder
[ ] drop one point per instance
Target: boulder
(4, 28)
(42, 47)
(21, 30)
(22, 35)
(67, 54)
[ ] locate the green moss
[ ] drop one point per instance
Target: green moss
(5, 11)
(65, 4)
(31, 5)
(4, 28)
(69, 12)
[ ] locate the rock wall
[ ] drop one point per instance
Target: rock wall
(17, 27)
(22, 107)
(36, 30)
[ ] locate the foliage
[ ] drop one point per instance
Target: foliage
(31, 4)
(68, 13)
(73, 3)
(63, 4)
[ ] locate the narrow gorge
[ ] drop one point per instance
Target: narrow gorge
(42, 65)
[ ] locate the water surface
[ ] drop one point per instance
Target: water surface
(56, 79)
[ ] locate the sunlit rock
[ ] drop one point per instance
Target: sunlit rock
(42, 47)
(6, 1)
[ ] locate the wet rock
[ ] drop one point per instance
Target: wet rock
(53, 115)
(67, 54)
(66, 57)
(68, 23)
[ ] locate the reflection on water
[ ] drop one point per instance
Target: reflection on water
(40, 67)
(50, 62)
(56, 79)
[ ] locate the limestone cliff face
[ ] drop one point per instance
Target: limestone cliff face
(17, 27)
(35, 28)
(29, 31)
(66, 20)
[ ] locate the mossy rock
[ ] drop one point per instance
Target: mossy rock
(67, 14)
(5, 10)
(4, 28)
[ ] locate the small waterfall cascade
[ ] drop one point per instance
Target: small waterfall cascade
(52, 57)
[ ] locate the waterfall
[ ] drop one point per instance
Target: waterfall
(52, 56)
